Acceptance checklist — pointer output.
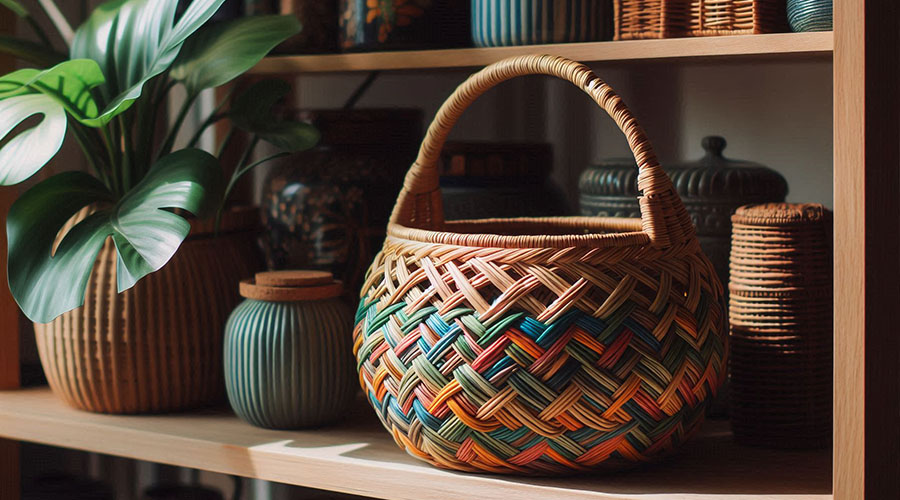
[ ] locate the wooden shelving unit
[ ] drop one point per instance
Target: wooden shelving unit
(359, 457)
(783, 45)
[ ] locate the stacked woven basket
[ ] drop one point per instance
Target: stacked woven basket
(781, 325)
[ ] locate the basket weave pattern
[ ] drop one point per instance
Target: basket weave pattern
(156, 347)
(639, 19)
(539, 345)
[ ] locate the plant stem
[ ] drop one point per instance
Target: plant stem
(213, 117)
(225, 142)
(114, 169)
(173, 132)
(90, 153)
(39, 31)
(58, 20)
(127, 155)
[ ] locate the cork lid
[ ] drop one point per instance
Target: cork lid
(781, 214)
(291, 286)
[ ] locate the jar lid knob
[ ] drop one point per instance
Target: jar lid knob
(714, 145)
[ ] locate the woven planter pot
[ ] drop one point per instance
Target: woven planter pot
(545, 345)
(158, 346)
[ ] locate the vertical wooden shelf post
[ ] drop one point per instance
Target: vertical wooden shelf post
(867, 250)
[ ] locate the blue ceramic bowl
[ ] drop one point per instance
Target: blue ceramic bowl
(810, 15)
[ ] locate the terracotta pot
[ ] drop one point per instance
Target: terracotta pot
(158, 346)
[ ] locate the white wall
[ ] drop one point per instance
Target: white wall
(775, 113)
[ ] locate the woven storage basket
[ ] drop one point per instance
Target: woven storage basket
(781, 313)
(737, 17)
(640, 19)
(156, 347)
(543, 345)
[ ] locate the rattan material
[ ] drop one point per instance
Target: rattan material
(158, 346)
(636, 19)
(737, 17)
(781, 316)
(545, 345)
(641, 19)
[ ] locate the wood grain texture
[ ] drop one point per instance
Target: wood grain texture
(358, 457)
(867, 243)
(803, 45)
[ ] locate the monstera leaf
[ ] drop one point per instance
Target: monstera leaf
(17, 8)
(221, 52)
(134, 41)
(252, 111)
(47, 283)
(50, 93)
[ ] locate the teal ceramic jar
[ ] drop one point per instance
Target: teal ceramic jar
(288, 359)
(498, 23)
(810, 15)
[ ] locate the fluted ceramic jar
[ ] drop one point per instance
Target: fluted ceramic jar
(498, 23)
(810, 15)
(712, 188)
(288, 361)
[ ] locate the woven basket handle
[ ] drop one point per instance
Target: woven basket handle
(663, 216)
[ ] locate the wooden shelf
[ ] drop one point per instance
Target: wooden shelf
(753, 46)
(359, 457)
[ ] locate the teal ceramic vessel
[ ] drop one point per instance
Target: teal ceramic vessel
(810, 15)
(498, 23)
(288, 359)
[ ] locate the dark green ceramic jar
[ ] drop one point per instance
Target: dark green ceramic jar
(712, 188)
(288, 358)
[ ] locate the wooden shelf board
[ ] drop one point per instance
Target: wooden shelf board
(754, 46)
(359, 457)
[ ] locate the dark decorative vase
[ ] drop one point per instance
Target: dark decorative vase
(481, 180)
(403, 24)
(712, 188)
(327, 208)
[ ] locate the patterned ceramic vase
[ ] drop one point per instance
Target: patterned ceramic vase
(288, 360)
(810, 15)
(527, 22)
(327, 208)
(712, 188)
(480, 180)
(403, 24)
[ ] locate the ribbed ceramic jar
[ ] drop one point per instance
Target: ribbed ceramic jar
(810, 15)
(156, 347)
(288, 358)
(528, 22)
(712, 188)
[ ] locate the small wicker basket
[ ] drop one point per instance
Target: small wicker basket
(545, 345)
(639, 19)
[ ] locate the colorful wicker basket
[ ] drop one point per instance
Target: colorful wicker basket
(544, 345)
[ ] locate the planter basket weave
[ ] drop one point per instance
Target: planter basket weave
(539, 345)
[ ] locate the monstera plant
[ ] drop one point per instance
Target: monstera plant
(110, 93)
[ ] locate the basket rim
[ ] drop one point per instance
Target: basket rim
(608, 232)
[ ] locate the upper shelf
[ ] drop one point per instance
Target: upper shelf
(359, 457)
(804, 45)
